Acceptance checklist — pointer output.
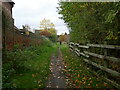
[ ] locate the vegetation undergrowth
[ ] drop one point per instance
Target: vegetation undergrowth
(28, 68)
(77, 74)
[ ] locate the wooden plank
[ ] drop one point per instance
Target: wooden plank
(106, 61)
(77, 44)
(71, 43)
(77, 53)
(113, 59)
(94, 54)
(83, 46)
(81, 53)
(105, 79)
(103, 57)
(71, 46)
(112, 82)
(71, 49)
(104, 46)
(77, 50)
(112, 72)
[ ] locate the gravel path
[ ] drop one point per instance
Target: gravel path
(56, 78)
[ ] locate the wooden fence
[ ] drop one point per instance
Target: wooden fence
(96, 56)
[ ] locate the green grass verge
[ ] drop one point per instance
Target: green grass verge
(77, 74)
(28, 68)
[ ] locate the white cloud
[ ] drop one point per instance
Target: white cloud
(32, 12)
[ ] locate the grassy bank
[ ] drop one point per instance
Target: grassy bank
(28, 68)
(77, 74)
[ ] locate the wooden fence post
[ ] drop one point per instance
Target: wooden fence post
(88, 50)
(106, 62)
(105, 54)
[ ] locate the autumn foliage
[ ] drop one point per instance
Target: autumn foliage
(45, 33)
(47, 29)
(64, 37)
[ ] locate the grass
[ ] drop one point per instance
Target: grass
(77, 74)
(33, 63)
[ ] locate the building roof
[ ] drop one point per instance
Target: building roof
(10, 1)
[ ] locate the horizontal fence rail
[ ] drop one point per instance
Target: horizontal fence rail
(90, 58)
(103, 57)
(104, 46)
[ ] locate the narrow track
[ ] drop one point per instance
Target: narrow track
(57, 77)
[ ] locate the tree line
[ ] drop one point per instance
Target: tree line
(92, 22)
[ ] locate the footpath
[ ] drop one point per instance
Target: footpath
(57, 77)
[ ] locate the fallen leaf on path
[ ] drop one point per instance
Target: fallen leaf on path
(76, 81)
(80, 82)
(77, 87)
(14, 84)
(97, 85)
(78, 75)
(39, 81)
(105, 84)
(89, 84)
(84, 82)
(91, 81)
(89, 87)
(33, 75)
(39, 85)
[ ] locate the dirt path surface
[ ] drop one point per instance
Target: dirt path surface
(56, 78)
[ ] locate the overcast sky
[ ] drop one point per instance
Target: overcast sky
(31, 12)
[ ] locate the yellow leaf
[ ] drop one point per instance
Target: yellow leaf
(97, 85)
(80, 82)
(78, 75)
(84, 82)
(33, 75)
(39, 85)
(91, 81)
(14, 84)
(89, 84)
(76, 81)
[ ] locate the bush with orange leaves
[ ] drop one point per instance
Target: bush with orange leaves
(45, 33)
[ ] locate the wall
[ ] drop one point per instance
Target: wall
(12, 37)
(7, 26)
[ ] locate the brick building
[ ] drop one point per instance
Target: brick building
(7, 24)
